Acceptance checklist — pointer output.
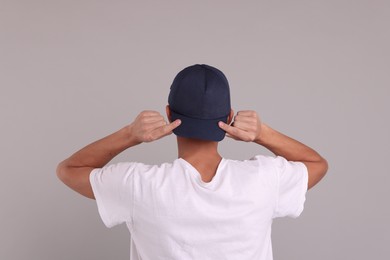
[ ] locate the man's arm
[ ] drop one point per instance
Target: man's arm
(248, 127)
(74, 171)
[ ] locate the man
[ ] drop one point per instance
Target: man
(200, 206)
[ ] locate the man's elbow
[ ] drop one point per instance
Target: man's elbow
(317, 170)
(323, 169)
(62, 172)
(324, 166)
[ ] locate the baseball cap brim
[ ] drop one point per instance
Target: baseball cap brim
(204, 129)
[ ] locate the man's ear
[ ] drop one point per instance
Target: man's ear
(230, 117)
(168, 110)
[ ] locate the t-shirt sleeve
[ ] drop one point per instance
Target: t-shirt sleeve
(112, 186)
(292, 180)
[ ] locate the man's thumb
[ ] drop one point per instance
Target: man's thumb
(222, 125)
(174, 124)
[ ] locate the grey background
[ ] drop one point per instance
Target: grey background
(74, 71)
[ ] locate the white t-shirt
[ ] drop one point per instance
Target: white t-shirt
(172, 214)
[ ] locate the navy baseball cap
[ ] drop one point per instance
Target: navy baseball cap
(200, 98)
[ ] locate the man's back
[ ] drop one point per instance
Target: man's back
(172, 214)
(200, 206)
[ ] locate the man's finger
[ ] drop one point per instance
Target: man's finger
(166, 129)
(248, 119)
(150, 113)
(152, 118)
(246, 113)
(230, 136)
(225, 126)
(156, 124)
(232, 131)
(173, 125)
(243, 125)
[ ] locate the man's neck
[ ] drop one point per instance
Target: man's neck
(195, 149)
(202, 155)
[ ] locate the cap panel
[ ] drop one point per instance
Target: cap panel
(187, 92)
(216, 101)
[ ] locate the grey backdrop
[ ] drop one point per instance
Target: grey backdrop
(74, 71)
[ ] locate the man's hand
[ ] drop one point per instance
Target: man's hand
(246, 126)
(150, 126)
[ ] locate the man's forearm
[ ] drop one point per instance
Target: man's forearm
(293, 150)
(248, 127)
(99, 153)
(285, 146)
(75, 171)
